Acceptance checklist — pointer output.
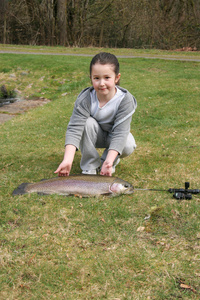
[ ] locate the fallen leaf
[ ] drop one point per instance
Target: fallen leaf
(188, 287)
(185, 286)
(141, 228)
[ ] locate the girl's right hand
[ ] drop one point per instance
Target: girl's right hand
(63, 169)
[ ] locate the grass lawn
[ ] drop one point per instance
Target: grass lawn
(140, 246)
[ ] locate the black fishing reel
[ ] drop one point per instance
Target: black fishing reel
(181, 194)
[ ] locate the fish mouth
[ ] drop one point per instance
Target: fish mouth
(129, 191)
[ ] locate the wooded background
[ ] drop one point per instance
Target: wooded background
(162, 24)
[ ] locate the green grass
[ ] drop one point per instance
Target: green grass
(54, 247)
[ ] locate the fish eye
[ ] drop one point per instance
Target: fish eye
(126, 185)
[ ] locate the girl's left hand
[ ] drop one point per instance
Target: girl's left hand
(106, 169)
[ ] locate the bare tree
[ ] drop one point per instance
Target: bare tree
(165, 24)
(62, 21)
(3, 19)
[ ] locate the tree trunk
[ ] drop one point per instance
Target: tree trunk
(101, 35)
(62, 22)
(4, 29)
(3, 20)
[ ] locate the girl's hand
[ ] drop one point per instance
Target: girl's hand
(106, 169)
(65, 166)
(63, 169)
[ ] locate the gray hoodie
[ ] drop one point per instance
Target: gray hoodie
(120, 125)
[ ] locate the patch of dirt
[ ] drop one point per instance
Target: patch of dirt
(9, 111)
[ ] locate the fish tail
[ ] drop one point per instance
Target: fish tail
(20, 190)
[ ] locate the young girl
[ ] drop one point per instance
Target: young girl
(101, 119)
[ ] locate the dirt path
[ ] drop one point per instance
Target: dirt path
(188, 58)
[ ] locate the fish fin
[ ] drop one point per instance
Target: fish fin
(43, 193)
(107, 194)
(20, 190)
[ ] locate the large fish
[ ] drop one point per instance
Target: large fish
(80, 185)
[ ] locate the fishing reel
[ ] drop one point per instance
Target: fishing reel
(181, 194)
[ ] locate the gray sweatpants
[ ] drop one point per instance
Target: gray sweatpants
(94, 137)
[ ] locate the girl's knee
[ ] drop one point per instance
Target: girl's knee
(129, 147)
(91, 123)
(128, 150)
(91, 128)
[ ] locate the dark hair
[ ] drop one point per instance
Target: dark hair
(104, 58)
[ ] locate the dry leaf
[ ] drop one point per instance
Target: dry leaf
(141, 228)
(185, 286)
(188, 287)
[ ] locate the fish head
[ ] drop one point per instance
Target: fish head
(123, 187)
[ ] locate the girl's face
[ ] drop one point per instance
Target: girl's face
(104, 80)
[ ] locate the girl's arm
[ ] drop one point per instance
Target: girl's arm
(65, 166)
(106, 168)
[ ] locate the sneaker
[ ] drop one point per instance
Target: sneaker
(89, 172)
(115, 164)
